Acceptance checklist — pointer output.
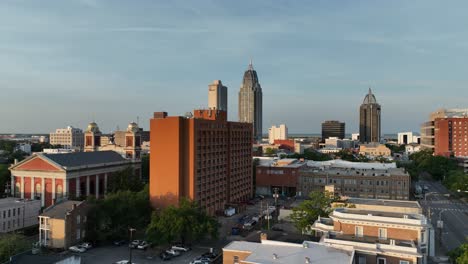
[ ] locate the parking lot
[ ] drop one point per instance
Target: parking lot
(112, 254)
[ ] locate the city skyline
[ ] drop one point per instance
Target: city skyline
(69, 63)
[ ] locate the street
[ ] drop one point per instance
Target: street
(453, 213)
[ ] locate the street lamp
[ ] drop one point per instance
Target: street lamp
(276, 196)
(130, 243)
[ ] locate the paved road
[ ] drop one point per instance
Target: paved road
(453, 213)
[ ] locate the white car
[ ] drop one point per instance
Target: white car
(77, 249)
(181, 247)
(143, 245)
(124, 262)
(173, 252)
(86, 245)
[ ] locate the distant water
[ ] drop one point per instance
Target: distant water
(299, 135)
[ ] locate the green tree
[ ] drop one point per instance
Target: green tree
(424, 161)
(309, 210)
(145, 167)
(269, 152)
(12, 244)
(111, 217)
(187, 222)
(125, 180)
(311, 154)
(4, 177)
(460, 254)
(457, 180)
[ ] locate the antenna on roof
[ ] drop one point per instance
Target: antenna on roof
(138, 120)
(250, 64)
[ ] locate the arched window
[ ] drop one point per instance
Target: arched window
(17, 189)
(38, 191)
(59, 191)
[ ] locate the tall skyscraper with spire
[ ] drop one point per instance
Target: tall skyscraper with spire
(250, 102)
(369, 121)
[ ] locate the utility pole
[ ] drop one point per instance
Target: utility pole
(130, 243)
(268, 216)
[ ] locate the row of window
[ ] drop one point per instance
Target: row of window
(8, 213)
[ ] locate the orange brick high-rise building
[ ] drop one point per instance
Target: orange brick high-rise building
(202, 157)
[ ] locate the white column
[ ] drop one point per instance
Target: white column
(12, 186)
(65, 188)
(97, 186)
(33, 188)
(105, 184)
(87, 185)
(53, 188)
(22, 187)
(42, 191)
(40, 230)
(77, 184)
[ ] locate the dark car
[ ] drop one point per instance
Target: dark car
(275, 228)
(119, 242)
(209, 255)
(165, 256)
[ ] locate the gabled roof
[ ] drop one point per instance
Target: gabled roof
(63, 161)
(85, 158)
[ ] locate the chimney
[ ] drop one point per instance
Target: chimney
(16, 161)
(307, 260)
(275, 256)
(160, 115)
(263, 236)
(73, 206)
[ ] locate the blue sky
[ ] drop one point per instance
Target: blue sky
(69, 62)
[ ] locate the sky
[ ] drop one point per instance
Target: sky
(71, 62)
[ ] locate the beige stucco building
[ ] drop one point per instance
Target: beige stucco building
(69, 137)
(63, 225)
(374, 150)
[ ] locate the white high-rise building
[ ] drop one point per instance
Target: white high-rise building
(275, 132)
(217, 96)
(69, 137)
(405, 138)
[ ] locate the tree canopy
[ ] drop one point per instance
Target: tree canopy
(187, 222)
(425, 161)
(309, 210)
(460, 254)
(125, 180)
(311, 155)
(111, 217)
(4, 177)
(12, 244)
(457, 181)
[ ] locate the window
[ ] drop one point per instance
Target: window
(236, 259)
(404, 262)
(78, 218)
(359, 232)
(19, 210)
(382, 233)
(78, 234)
(59, 191)
(381, 261)
(362, 260)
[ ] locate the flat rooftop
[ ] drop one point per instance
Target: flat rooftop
(12, 202)
(338, 163)
(380, 213)
(287, 253)
(357, 171)
(282, 163)
(382, 202)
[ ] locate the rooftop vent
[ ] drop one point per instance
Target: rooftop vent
(305, 245)
(405, 216)
(275, 256)
(307, 260)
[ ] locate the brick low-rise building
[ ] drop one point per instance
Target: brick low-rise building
(63, 225)
(52, 177)
(379, 236)
(361, 180)
(279, 174)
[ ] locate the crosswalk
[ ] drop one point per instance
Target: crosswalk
(450, 209)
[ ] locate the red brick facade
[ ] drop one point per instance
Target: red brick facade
(451, 136)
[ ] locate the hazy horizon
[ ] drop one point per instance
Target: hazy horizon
(71, 62)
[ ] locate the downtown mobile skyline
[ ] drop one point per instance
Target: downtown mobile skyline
(68, 63)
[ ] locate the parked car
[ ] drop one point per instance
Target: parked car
(165, 256)
(143, 245)
(135, 243)
(124, 262)
(77, 249)
(209, 255)
(173, 252)
(275, 228)
(200, 261)
(119, 242)
(181, 247)
(86, 245)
